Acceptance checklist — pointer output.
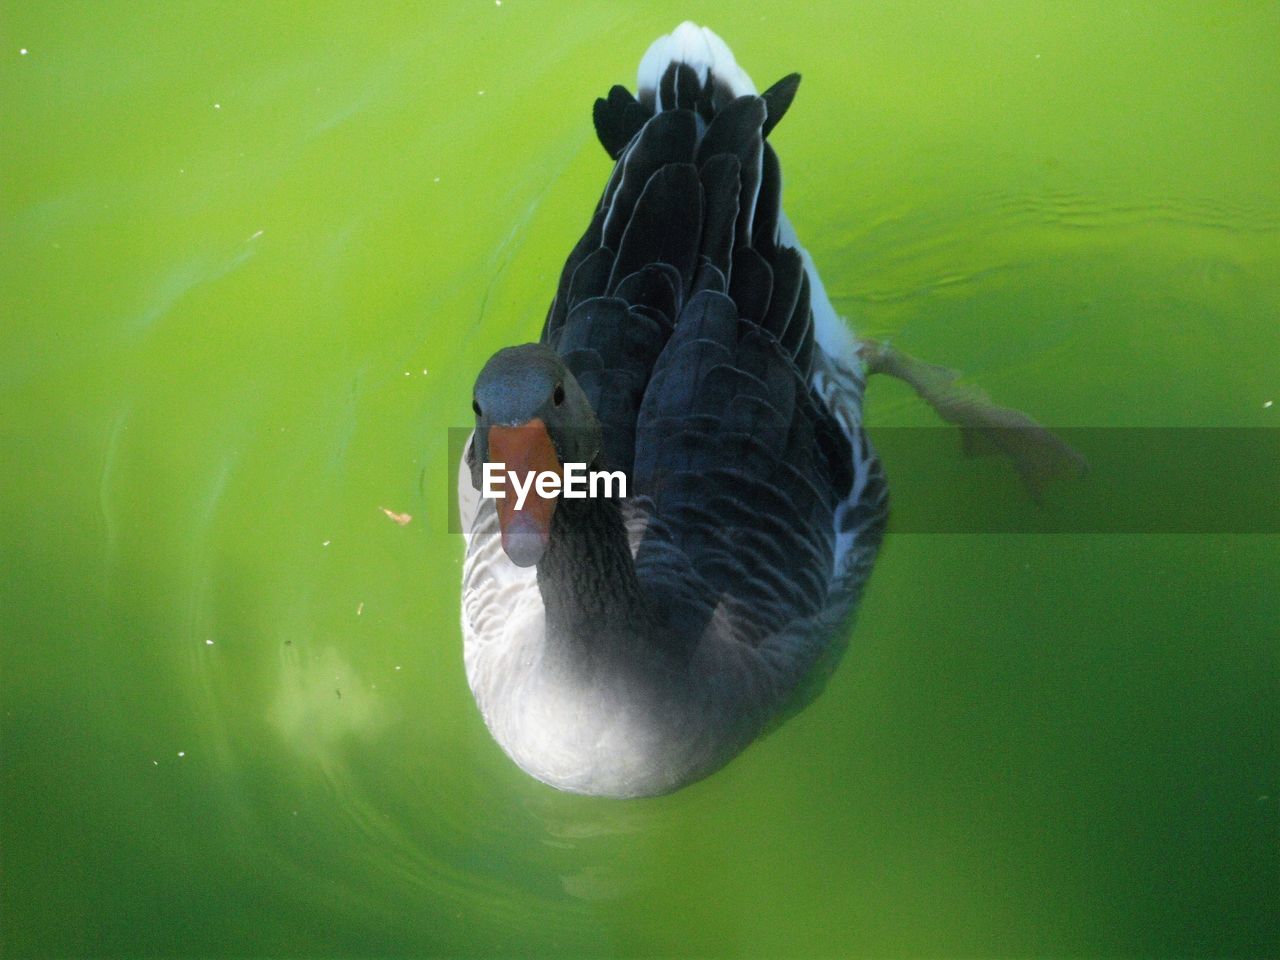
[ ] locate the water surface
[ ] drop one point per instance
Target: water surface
(252, 259)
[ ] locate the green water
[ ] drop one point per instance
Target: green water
(252, 257)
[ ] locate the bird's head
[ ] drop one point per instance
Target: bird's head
(531, 417)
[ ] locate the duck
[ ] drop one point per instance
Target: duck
(631, 643)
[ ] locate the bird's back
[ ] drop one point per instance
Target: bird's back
(685, 313)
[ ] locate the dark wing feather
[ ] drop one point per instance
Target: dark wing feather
(709, 277)
(721, 185)
(778, 99)
(586, 246)
(736, 130)
(751, 284)
(764, 231)
(665, 225)
(616, 123)
(787, 273)
(655, 285)
(667, 138)
(611, 348)
(743, 493)
(691, 333)
(591, 278)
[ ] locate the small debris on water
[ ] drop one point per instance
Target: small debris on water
(404, 519)
(208, 643)
(1267, 405)
(326, 543)
(360, 608)
(23, 51)
(182, 753)
(217, 106)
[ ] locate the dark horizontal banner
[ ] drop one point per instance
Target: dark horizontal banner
(1075, 480)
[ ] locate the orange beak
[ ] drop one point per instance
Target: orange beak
(525, 451)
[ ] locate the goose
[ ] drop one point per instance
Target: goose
(628, 645)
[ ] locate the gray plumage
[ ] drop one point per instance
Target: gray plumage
(660, 635)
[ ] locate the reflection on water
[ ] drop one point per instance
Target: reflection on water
(234, 719)
(314, 715)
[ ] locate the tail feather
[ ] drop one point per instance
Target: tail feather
(701, 49)
(691, 151)
(710, 57)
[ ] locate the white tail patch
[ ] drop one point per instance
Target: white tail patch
(701, 49)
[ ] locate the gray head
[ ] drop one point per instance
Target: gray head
(531, 416)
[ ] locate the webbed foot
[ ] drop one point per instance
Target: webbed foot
(1038, 454)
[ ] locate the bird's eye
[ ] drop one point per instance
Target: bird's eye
(475, 405)
(557, 396)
